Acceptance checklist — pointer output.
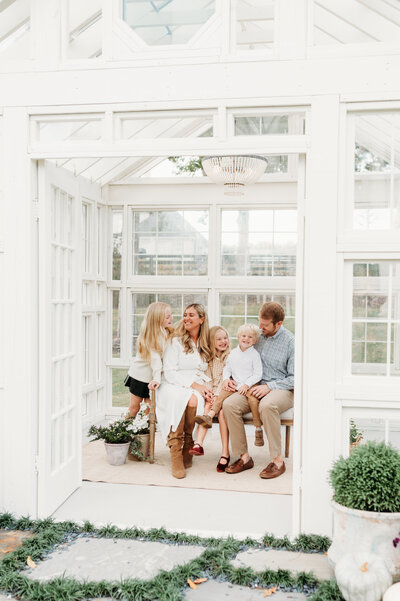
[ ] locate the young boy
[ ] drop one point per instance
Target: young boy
(243, 369)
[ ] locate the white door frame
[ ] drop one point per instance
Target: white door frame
(245, 146)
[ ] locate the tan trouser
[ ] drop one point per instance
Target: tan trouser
(253, 404)
(270, 407)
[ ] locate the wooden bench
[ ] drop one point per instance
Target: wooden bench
(286, 420)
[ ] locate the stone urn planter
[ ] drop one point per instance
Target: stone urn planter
(116, 453)
(366, 504)
(365, 531)
(144, 448)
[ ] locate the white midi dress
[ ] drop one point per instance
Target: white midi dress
(180, 370)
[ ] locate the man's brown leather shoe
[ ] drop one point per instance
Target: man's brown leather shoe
(239, 466)
(272, 470)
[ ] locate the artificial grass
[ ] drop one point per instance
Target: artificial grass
(214, 562)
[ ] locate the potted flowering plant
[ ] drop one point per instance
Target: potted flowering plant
(118, 436)
(139, 449)
(366, 504)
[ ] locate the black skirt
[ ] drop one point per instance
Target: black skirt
(137, 388)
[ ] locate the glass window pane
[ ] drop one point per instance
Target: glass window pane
(254, 24)
(262, 221)
(259, 265)
(120, 392)
(359, 331)
(195, 264)
(260, 244)
(177, 301)
(166, 23)
(169, 265)
(262, 240)
(264, 125)
(372, 352)
(376, 332)
(254, 302)
(116, 324)
(84, 129)
(232, 265)
(117, 244)
(177, 245)
(376, 171)
(237, 309)
(232, 304)
(285, 221)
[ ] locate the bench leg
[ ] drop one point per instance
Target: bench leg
(152, 422)
(287, 441)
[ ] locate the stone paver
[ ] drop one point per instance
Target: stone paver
(262, 559)
(5, 597)
(220, 591)
(112, 559)
(11, 540)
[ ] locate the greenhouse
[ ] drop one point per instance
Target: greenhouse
(108, 110)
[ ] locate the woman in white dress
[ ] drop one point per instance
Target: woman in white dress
(182, 392)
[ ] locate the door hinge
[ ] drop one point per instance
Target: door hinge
(37, 461)
(35, 209)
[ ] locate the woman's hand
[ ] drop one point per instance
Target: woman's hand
(153, 385)
(204, 391)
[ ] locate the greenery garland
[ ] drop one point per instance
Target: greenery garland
(214, 562)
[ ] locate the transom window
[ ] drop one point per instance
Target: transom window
(172, 243)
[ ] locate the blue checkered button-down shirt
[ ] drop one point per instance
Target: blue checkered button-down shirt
(277, 356)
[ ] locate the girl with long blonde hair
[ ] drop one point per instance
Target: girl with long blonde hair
(145, 371)
(183, 390)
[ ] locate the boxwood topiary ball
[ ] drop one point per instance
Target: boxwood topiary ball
(369, 479)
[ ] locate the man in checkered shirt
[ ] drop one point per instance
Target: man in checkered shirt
(275, 391)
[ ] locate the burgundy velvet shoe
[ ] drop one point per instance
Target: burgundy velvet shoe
(221, 467)
(196, 449)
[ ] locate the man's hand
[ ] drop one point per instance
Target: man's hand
(260, 391)
(153, 385)
(229, 385)
(243, 389)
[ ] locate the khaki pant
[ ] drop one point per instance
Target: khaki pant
(270, 407)
(252, 400)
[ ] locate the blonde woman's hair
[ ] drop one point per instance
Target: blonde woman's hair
(152, 330)
(187, 343)
(251, 329)
(211, 338)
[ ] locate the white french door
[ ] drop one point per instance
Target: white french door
(59, 464)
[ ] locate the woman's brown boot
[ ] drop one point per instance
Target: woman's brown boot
(177, 466)
(190, 414)
(175, 443)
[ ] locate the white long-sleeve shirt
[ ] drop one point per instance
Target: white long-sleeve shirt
(244, 367)
(146, 371)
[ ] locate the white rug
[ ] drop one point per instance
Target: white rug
(201, 475)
